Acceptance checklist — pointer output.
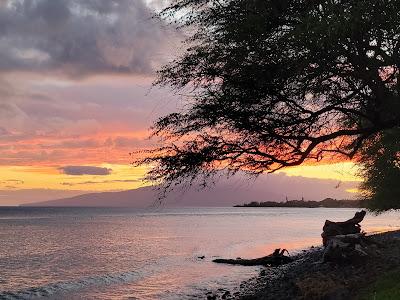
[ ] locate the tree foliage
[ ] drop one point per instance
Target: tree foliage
(276, 83)
(380, 168)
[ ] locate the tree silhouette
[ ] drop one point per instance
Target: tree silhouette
(276, 83)
(380, 168)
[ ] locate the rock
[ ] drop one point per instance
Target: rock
(339, 294)
(226, 295)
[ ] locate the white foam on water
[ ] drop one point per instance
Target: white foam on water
(68, 286)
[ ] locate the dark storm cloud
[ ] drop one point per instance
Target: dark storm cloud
(85, 170)
(80, 37)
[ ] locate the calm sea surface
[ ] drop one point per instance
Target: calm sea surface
(86, 253)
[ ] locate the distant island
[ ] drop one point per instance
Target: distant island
(328, 202)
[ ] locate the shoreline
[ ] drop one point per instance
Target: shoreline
(326, 203)
(308, 278)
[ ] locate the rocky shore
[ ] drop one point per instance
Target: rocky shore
(308, 278)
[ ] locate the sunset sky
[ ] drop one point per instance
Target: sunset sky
(76, 96)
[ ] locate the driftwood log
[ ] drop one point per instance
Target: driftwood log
(275, 259)
(350, 226)
(345, 243)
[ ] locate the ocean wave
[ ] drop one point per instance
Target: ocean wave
(51, 289)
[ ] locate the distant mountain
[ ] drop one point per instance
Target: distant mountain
(147, 196)
(231, 192)
(139, 198)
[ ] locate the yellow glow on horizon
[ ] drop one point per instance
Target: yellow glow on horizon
(353, 191)
(125, 177)
(122, 177)
(344, 171)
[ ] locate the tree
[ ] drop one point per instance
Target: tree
(380, 168)
(276, 83)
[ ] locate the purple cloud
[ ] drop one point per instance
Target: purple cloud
(80, 37)
(85, 170)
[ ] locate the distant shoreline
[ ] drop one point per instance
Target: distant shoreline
(326, 203)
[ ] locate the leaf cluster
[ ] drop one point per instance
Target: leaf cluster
(276, 83)
(380, 167)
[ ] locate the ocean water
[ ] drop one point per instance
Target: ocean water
(109, 253)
